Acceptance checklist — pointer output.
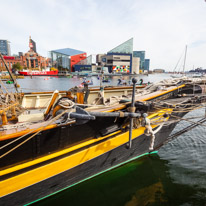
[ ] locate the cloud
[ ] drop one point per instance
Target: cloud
(161, 28)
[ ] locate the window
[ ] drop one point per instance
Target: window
(104, 59)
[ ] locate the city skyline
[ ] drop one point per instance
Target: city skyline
(161, 28)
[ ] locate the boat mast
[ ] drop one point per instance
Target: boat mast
(185, 59)
(10, 74)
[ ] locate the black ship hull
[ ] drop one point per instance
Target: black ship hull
(64, 155)
(91, 168)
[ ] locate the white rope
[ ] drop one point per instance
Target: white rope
(67, 104)
(149, 132)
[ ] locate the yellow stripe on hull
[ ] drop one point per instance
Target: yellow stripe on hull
(44, 172)
(39, 174)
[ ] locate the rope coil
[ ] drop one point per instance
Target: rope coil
(66, 103)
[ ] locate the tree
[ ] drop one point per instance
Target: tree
(17, 66)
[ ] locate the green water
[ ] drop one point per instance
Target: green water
(175, 176)
(145, 181)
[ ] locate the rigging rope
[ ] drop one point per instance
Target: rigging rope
(50, 122)
(148, 89)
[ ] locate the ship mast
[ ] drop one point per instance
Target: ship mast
(185, 59)
(10, 74)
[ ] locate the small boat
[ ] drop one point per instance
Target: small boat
(47, 78)
(105, 80)
(88, 82)
(197, 75)
(9, 82)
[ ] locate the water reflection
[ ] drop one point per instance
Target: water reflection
(42, 83)
(146, 181)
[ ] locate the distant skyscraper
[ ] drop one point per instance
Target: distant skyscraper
(5, 47)
(20, 54)
(32, 44)
(141, 55)
(146, 64)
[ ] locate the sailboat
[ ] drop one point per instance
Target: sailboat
(183, 72)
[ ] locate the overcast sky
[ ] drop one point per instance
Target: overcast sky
(162, 28)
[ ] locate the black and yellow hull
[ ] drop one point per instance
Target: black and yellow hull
(35, 179)
(64, 155)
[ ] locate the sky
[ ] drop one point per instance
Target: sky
(161, 28)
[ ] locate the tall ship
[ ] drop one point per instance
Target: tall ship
(53, 141)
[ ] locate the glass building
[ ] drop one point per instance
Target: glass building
(120, 56)
(5, 47)
(147, 64)
(61, 58)
(124, 48)
(141, 55)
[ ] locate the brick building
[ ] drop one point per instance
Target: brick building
(29, 60)
(10, 61)
(32, 59)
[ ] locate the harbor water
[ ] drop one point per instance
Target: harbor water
(176, 175)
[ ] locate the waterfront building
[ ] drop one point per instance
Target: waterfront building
(20, 54)
(146, 64)
(135, 65)
(29, 60)
(120, 58)
(32, 44)
(141, 55)
(5, 47)
(10, 61)
(65, 59)
(86, 65)
(32, 59)
(159, 71)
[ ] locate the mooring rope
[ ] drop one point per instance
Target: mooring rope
(188, 120)
(186, 129)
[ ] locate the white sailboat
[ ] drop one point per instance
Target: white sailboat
(180, 74)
